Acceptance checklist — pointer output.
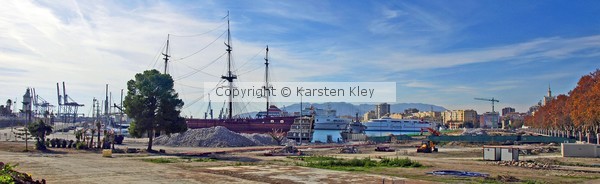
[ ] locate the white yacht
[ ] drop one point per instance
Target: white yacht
(328, 120)
(404, 125)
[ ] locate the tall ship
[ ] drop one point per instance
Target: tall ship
(302, 130)
(272, 119)
(387, 124)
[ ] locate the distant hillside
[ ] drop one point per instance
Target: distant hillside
(350, 109)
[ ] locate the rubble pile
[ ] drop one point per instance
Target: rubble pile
(507, 178)
(349, 149)
(475, 131)
(213, 137)
(261, 139)
(285, 151)
(533, 165)
(539, 150)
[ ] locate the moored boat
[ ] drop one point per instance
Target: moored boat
(387, 124)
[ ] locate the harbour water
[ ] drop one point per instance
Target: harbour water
(321, 135)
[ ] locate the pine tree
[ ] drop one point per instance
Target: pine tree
(154, 105)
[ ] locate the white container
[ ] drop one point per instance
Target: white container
(580, 150)
(509, 154)
(491, 153)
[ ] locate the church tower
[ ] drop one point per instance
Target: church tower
(547, 98)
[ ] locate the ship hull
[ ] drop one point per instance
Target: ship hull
(386, 125)
(330, 126)
(261, 125)
(356, 127)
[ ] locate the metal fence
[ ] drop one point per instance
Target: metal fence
(500, 139)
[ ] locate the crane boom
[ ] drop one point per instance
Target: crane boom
(491, 100)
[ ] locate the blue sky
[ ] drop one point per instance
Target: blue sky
(438, 52)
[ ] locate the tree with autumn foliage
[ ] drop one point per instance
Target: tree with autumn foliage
(578, 111)
(584, 103)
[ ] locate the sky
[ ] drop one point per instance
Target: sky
(437, 52)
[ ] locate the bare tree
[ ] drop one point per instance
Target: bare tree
(277, 135)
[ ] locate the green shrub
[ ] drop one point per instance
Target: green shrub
(203, 160)
(330, 162)
(81, 145)
(53, 142)
(161, 160)
(5, 173)
(9, 175)
(399, 162)
(313, 158)
(6, 178)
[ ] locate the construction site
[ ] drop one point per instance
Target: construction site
(351, 92)
(430, 158)
(96, 148)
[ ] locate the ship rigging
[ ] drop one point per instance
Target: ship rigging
(271, 119)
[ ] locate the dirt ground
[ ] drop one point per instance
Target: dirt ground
(75, 166)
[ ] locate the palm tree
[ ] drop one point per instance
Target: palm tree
(99, 127)
(39, 130)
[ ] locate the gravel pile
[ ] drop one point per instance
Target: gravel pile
(525, 164)
(213, 137)
(261, 139)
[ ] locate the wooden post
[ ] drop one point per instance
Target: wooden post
(598, 138)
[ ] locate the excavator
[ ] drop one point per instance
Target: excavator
(428, 146)
(430, 130)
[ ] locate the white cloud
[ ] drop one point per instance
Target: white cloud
(90, 44)
(420, 84)
(536, 50)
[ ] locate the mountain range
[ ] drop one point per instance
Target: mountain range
(348, 109)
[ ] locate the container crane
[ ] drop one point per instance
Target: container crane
(491, 100)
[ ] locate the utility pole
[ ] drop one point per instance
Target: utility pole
(301, 120)
(93, 108)
(166, 54)
(121, 117)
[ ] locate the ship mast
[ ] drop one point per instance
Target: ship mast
(267, 92)
(230, 76)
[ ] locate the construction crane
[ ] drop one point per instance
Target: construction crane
(491, 100)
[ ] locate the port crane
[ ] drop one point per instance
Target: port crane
(67, 107)
(491, 100)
